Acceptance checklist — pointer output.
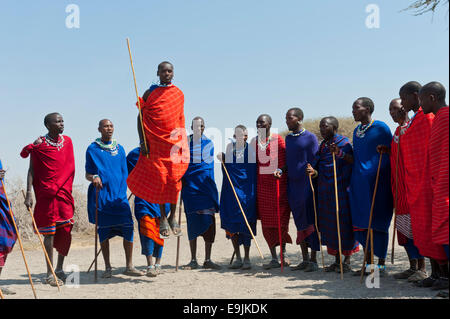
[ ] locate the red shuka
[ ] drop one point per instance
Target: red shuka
(414, 149)
(267, 162)
(157, 179)
(438, 152)
(398, 175)
(54, 171)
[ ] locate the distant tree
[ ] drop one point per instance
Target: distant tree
(423, 6)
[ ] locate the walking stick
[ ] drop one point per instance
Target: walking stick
(315, 219)
(279, 223)
(337, 216)
(242, 210)
(96, 233)
(395, 199)
(363, 269)
(137, 96)
(178, 238)
(20, 241)
(92, 264)
(371, 252)
(232, 257)
(42, 244)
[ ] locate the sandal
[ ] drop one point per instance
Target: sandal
(272, 264)
(192, 265)
(158, 269)
(440, 284)
(331, 268)
(247, 265)
(7, 291)
(164, 226)
(312, 266)
(52, 282)
(237, 264)
(175, 226)
(133, 272)
(208, 264)
(300, 266)
(151, 271)
(107, 273)
(61, 275)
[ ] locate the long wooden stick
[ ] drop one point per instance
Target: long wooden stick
(96, 234)
(363, 269)
(395, 199)
(232, 257)
(42, 243)
(279, 224)
(315, 219)
(20, 241)
(372, 268)
(137, 96)
(93, 262)
(242, 211)
(337, 216)
(178, 238)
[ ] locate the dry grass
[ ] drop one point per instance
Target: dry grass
(346, 127)
(81, 226)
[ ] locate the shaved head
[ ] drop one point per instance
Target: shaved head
(48, 117)
(436, 89)
(297, 112)
(198, 118)
(102, 122)
(396, 102)
(267, 117)
(410, 88)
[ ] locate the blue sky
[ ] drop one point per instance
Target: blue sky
(233, 60)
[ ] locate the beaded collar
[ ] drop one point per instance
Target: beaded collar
(239, 153)
(361, 129)
(59, 144)
(262, 145)
(298, 133)
(112, 147)
(401, 131)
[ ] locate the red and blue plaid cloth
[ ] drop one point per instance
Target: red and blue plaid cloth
(8, 234)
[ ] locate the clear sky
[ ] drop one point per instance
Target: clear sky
(233, 60)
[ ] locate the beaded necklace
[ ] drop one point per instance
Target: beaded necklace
(49, 141)
(262, 145)
(239, 153)
(112, 148)
(361, 129)
(298, 133)
(401, 131)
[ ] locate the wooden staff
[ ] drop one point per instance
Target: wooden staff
(92, 264)
(20, 241)
(232, 257)
(371, 252)
(137, 96)
(42, 243)
(363, 269)
(1, 294)
(315, 218)
(242, 211)
(178, 238)
(96, 233)
(337, 216)
(279, 223)
(395, 198)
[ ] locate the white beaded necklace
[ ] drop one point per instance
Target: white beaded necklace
(49, 141)
(262, 145)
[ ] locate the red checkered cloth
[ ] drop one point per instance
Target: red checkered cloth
(438, 152)
(414, 150)
(157, 179)
(398, 176)
(267, 162)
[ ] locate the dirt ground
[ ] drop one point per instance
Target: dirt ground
(256, 283)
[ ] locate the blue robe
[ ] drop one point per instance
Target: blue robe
(199, 190)
(113, 206)
(242, 173)
(326, 197)
(362, 186)
(301, 150)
